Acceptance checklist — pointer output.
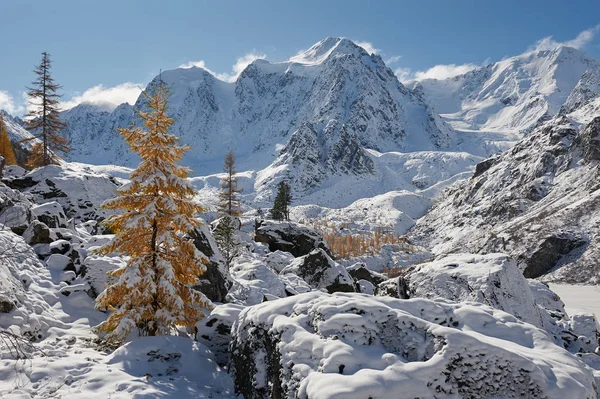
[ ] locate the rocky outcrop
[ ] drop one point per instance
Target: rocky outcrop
(549, 251)
(290, 237)
(51, 214)
(317, 345)
(215, 282)
(321, 272)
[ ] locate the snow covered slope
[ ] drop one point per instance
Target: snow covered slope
(539, 202)
(511, 95)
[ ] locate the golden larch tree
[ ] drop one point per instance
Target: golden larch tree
(6, 149)
(153, 290)
(44, 119)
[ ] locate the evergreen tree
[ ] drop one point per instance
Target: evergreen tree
(224, 234)
(44, 122)
(6, 149)
(153, 290)
(283, 199)
(229, 202)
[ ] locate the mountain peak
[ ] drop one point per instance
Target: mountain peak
(322, 50)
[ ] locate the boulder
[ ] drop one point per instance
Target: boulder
(585, 327)
(290, 237)
(492, 279)
(321, 272)
(253, 281)
(359, 271)
(16, 217)
(39, 233)
(50, 213)
(215, 282)
(94, 272)
(214, 330)
(317, 346)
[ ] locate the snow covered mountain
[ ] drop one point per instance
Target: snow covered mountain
(349, 98)
(539, 202)
(512, 95)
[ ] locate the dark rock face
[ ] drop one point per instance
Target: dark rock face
(483, 166)
(215, 281)
(6, 306)
(320, 271)
(590, 138)
(20, 183)
(548, 253)
(38, 233)
(359, 271)
(397, 287)
(289, 237)
(51, 214)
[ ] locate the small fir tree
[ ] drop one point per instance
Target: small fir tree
(44, 120)
(6, 149)
(281, 205)
(153, 290)
(229, 202)
(224, 234)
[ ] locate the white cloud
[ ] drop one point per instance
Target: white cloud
(582, 39)
(368, 46)
(442, 71)
(237, 68)
(7, 103)
(403, 74)
(393, 59)
(106, 97)
(195, 64)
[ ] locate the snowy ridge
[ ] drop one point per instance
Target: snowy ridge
(511, 95)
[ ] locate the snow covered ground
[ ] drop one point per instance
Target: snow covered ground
(579, 298)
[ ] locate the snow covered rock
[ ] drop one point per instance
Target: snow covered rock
(15, 209)
(27, 292)
(216, 281)
(585, 326)
(79, 189)
(290, 237)
(39, 233)
(59, 262)
(214, 330)
(278, 260)
(321, 272)
(493, 279)
(359, 271)
(51, 214)
(253, 281)
(348, 346)
(94, 271)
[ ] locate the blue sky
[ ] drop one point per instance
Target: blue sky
(104, 50)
